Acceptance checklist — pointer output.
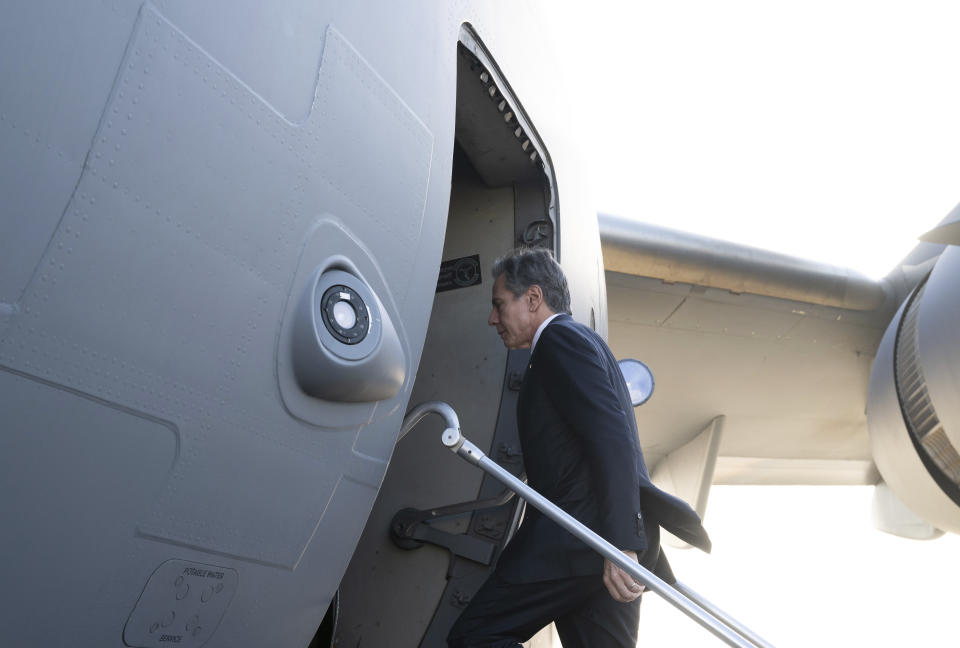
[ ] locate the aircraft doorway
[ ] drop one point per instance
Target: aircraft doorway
(501, 196)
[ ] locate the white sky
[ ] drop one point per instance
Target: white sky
(802, 566)
(826, 129)
(829, 130)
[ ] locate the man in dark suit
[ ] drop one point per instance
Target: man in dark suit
(581, 450)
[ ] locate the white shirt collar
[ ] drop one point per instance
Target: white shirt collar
(536, 336)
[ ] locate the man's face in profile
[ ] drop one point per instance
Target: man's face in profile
(511, 315)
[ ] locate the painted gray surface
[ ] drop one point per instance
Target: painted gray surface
(163, 187)
(57, 64)
(127, 318)
(74, 473)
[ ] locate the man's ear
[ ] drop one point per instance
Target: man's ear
(534, 297)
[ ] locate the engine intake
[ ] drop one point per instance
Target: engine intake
(913, 405)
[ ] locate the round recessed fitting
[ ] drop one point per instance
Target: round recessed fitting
(342, 344)
(345, 314)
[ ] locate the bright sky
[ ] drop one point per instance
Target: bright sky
(802, 566)
(826, 129)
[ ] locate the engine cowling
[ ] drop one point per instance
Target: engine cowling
(913, 403)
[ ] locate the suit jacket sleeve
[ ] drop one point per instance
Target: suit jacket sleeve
(579, 384)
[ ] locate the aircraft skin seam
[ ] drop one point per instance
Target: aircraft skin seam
(673, 312)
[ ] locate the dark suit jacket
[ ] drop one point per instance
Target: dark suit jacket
(581, 450)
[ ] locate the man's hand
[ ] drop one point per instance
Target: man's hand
(619, 583)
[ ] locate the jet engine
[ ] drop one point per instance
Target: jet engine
(913, 404)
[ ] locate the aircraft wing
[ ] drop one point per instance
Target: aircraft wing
(781, 348)
(775, 370)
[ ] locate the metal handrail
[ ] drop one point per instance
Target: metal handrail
(419, 412)
(714, 620)
(727, 620)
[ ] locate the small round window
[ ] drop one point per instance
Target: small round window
(639, 380)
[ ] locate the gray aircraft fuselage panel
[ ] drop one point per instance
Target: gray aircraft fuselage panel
(177, 181)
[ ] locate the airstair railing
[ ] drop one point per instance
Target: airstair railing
(710, 617)
(727, 620)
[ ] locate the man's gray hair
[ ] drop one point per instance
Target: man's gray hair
(525, 267)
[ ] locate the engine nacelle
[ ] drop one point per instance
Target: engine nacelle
(913, 405)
